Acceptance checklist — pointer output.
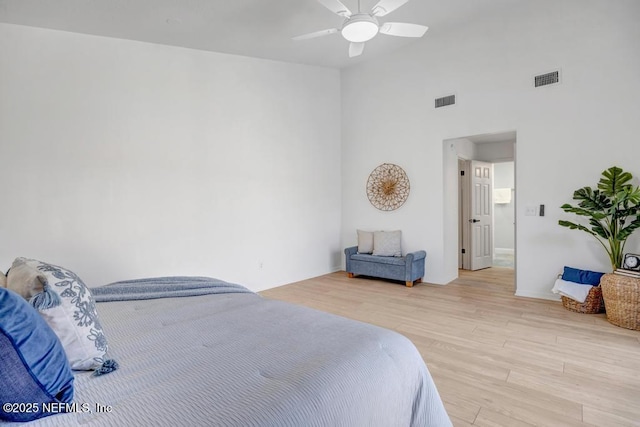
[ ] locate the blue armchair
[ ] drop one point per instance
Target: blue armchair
(408, 269)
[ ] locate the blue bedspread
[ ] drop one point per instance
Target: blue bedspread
(164, 287)
(238, 360)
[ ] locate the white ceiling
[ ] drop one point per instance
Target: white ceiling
(256, 28)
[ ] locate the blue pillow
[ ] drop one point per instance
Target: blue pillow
(34, 370)
(583, 277)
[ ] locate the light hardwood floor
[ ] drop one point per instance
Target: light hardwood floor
(497, 359)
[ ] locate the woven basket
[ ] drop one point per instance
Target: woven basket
(593, 304)
(622, 299)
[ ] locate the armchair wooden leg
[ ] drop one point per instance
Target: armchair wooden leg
(409, 284)
(350, 275)
(419, 280)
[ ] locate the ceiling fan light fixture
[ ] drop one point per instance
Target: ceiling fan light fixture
(360, 28)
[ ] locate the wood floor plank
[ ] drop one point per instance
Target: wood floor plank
(605, 372)
(461, 408)
(598, 417)
(616, 399)
(497, 359)
(488, 418)
(459, 422)
(510, 399)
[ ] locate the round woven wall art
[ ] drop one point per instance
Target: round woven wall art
(388, 187)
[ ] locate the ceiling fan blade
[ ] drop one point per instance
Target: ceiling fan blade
(336, 7)
(356, 49)
(316, 34)
(402, 29)
(386, 6)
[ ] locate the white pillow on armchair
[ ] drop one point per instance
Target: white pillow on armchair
(365, 241)
(387, 243)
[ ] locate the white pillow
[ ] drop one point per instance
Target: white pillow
(66, 304)
(365, 242)
(3, 280)
(387, 243)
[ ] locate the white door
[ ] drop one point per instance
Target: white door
(481, 219)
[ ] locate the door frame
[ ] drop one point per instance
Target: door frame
(463, 147)
(464, 213)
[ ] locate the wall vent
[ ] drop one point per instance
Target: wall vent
(547, 79)
(445, 100)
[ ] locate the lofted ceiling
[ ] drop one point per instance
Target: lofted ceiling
(256, 28)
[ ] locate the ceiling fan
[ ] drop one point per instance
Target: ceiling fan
(360, 27)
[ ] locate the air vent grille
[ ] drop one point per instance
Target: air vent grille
(547, 79)
(445, 100)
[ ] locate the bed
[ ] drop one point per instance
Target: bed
(234, 358)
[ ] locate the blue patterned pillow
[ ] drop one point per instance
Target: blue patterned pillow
(34, 368)
(66, 304)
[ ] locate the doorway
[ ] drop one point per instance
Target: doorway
(499, 236)
(504, 214)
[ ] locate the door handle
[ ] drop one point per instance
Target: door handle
(474, 220)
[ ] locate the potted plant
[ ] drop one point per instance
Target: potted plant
(613, 211)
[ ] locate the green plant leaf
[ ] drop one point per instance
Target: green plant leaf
(592, 200)
(574, 226)
(583, 212)
(599, 229)
(629, 195)
(624, 233)
(613, 181)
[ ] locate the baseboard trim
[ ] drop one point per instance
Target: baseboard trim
(504, 251)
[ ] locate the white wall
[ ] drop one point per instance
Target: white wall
(567, 134)
(123, 159)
